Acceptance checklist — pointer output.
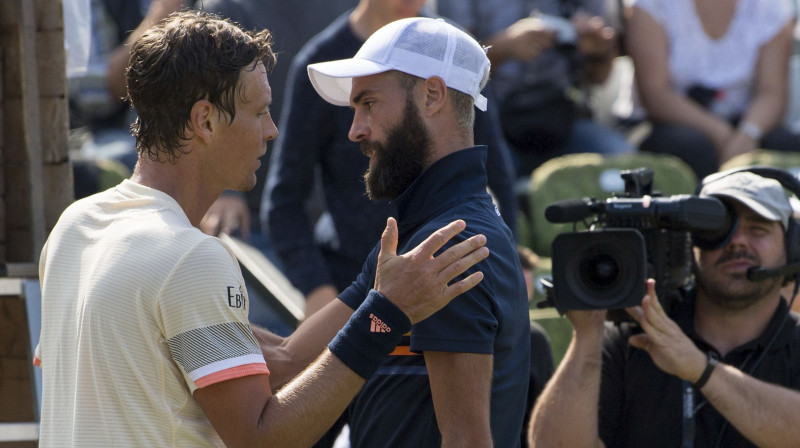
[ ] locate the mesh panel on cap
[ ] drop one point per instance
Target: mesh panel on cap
(465, 57)
(415, 42)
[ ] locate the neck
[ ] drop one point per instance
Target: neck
(180, 181)
(447, 140)
(727, 329)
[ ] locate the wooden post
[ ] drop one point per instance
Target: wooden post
(35, 184)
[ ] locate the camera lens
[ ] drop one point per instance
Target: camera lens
(601, 271)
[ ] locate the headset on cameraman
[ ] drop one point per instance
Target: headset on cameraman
(791, 234)
(790, 271)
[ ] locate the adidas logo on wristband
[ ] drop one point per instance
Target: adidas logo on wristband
(377, 325)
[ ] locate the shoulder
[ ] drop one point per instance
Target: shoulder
(663, 11)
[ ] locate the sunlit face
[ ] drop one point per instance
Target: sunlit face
(245, 139)
(722, 273)
(399, 147)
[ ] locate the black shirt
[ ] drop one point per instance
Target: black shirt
(640, 405)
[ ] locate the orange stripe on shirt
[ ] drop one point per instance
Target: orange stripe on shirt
(402, 350)
(232, 373)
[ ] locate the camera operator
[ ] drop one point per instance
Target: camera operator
(723, 369)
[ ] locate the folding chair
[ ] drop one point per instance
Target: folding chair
(789, 161)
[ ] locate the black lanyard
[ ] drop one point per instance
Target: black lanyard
(689, 407)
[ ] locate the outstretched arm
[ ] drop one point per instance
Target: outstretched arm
(245, 412)
(766, 414)
(573, 393)
(418, 267)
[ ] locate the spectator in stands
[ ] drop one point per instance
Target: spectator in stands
(546, 55)
(711, 77)
(96, 97)
(237, 213)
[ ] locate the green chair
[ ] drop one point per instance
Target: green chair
(789, 161)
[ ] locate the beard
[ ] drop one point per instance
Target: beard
(399, 162)
(737, 293)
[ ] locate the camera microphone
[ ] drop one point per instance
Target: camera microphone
(757, 274)
(570, 210)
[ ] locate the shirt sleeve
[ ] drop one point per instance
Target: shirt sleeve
(466, 325)
(775, 15)
(203, 309)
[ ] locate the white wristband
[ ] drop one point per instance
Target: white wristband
(751, 130)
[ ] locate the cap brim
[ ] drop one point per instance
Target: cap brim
(333, 80)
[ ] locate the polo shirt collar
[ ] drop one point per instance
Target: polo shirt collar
(454, 176)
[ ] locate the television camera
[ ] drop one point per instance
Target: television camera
(632, 237)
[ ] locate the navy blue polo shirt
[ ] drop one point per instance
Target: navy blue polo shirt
(395, 407)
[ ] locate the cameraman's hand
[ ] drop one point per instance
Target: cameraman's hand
(588, 325)
(671, 350)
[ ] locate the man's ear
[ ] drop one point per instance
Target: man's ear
(202, 120)
(435, 95)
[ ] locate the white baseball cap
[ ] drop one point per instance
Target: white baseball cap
(419, 46)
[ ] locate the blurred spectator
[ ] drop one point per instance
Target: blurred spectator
(323, 256)
(545, 55)
(96, 97)
(711, 77)
(237, 213)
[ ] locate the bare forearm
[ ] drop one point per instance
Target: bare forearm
(295, 417)
(667, 106)
(319, 297)
(572, 395)
(764, 413)
(286, 357)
